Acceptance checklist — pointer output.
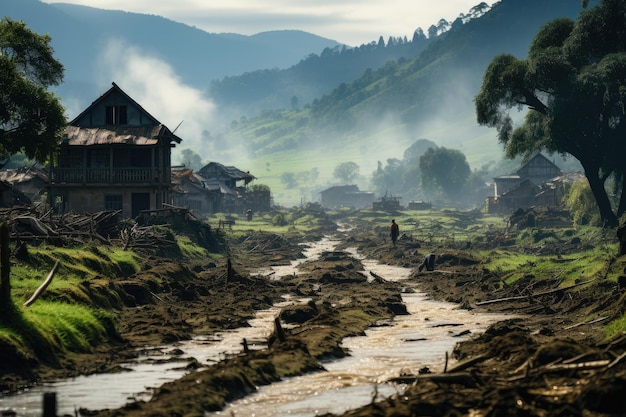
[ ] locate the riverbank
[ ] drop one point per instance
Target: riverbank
(559, 341)
(553, 359)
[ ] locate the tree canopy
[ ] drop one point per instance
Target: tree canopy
(574, 84)
(444, 170)
(31, 117)
(346, 171)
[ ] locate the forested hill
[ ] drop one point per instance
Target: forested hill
(428, 96)
(254, 92)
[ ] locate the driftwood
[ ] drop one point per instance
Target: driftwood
(461, 366)
(377, 277)
(43, 286)
(460, 378)
(525, 297)
(582, 323)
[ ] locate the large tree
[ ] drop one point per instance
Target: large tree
(346, 171)
(444, 170)
(31, 117)
(574, 84)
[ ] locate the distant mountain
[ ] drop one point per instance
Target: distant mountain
(427, 96)
(256, 92)
(289, 101)
(80, 35)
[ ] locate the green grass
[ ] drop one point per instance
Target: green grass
(67, 326)
(616, 328)
(190, 250)
(580, 266)
(277, 221)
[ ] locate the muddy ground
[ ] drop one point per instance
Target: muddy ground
(551, 361)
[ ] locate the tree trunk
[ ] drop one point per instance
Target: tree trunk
(621, 236)
(621, 208)
(609, 219)
(5, 267)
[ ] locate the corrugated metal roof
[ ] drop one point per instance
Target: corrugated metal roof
(227, 172)
(23, 174)
(132, 135)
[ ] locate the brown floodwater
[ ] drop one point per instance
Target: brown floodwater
(405, 344)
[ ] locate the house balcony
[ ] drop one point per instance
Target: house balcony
(105, 176)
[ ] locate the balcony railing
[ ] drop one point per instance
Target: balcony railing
(104, 176)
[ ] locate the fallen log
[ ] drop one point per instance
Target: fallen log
(525, 297)
(582, 323)
(461, 366)
(43, 286)
(377, 277)
(459, 378)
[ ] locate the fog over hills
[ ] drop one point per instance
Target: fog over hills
(257, 101)
(378, 116)
(84, 37)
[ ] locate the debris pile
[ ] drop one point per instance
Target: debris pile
(147, 232)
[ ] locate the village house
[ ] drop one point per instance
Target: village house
(218, 188)
(113, 156)
(30, 181)
(529, 185)
(346, 196)
(190, 190)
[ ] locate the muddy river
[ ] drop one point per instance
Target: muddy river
(407, 344)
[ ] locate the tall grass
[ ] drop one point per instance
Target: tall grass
(67, 326)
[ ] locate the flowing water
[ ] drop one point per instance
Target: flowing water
(406, 344)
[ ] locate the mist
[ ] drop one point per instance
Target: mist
(204, 128)
(156, 87)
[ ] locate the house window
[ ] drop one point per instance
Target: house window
(113, 202)
(116, 115)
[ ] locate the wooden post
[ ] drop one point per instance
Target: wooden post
(5, 267)
(229, 270)
(280, 333)
(49, 404)
(246, 349)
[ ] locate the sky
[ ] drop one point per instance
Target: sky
(353, 22)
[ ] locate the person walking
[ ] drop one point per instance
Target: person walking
(394, 232)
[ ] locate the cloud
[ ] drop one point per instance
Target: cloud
(353, 22)
(155, 86)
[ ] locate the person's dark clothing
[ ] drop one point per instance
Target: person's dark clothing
(429, 263)
(395, 232)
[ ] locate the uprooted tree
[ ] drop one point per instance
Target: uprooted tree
(574, 85)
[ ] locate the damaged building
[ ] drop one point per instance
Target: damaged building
(113, 156)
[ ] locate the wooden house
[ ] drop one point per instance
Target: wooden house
(192, 191)
(218, 188)
(346, 196)
(537, 170)
(231, 176)
(523, 188)
(113, 156)
(230, 183)
(30, 181)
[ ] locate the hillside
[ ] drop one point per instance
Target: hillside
(379, 115)
(271, 105)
